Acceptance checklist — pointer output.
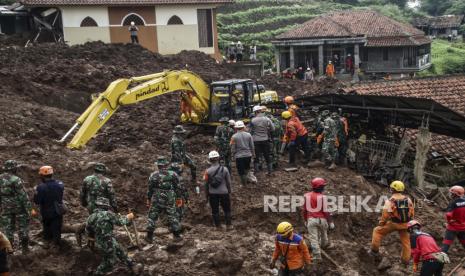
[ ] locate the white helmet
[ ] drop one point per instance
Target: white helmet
(213, 154)
(232, 122)
(257, 108)
(239, 124)
(132, 23)
(238, 42)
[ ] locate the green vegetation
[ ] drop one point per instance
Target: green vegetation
(448, 58)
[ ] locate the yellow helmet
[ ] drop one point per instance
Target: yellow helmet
(397, 186)
(284, 228)
(286, 115)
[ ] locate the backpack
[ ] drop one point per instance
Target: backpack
(400, 210)
(213, 181)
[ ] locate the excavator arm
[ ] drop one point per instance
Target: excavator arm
(131, 91)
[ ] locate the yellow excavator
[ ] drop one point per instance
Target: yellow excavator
(205, 104)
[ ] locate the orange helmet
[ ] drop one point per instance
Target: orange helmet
(457, 190)
(289, 99)
(45, 170)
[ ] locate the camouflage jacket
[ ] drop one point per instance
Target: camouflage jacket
(340, 129)
(178, 150)
(102, 222)
(223, 136)
(13, 197)
(181, 191)
(330, 129)
(278, 132)
(96, 186)
(163, 186)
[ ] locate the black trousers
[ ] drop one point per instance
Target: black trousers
(243, 165)
(262, 148)
(301, 142)
(4, 261)
(225, 202)
(52, 229)
(134, 39)
(450, 237)
(288, 272)
(431, 268)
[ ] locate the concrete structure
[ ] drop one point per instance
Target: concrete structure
(440, 26)
(376, 43)
(165, 26)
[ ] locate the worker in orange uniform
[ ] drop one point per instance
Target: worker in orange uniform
(291, 250)
(291, 106)
(397, 212)
(425, 249)
(296, 135)
(5, 249)
(330, 70)
(455, 216)
(317, 217)
(186, 108)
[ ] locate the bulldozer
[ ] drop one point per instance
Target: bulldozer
(203, 104)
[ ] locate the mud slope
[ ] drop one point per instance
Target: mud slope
(43, 90)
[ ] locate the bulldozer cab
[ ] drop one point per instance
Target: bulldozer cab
(233, 99)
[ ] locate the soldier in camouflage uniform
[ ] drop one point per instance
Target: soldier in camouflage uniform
(95, 186)
(161, 198)
(223, 136)
(276, 137)
(182, 194)
(101, 222)
(329, 147)
(178, 151)
(341, 137)
(14, 205)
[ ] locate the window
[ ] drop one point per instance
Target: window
(132, 17)
(204, 22)
(175, 20)
(385, 54)
(88, 22)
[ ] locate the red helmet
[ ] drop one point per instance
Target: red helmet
(318, 182)
(412, 223)
(289, 100)
(457, 190)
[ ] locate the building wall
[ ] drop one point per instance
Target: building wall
(72, 18)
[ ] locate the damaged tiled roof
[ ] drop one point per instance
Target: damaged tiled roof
(448, 91)
(445, 21)
(47, 3)
(379, 30)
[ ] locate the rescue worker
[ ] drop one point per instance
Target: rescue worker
(218, 189)
(133, 32)
(95, 186)
(231, 52)
(276, 137)
(239, 50)
(397, 212)
(317, 217)
(330, 70)
(186, 108)
(222, 138)
(261, 128)
(101, 223)
(179, 152)
(288, 100)
(296, 135)
(455, 217)
(242, 148)
(5, 249)
(49, 196)
(161, 198)
(182, 194)
(291, 250)
(343, 138)
(330, 142)
(16, 209)
(425, 249)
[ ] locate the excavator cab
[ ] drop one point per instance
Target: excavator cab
(233, 99)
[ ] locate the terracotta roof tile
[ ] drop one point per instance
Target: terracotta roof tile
(40, 3)
(445, 21)
(379, 30)
(448, 91)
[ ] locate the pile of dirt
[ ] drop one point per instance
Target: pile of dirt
(43, 90)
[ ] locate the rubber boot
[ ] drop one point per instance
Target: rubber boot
(332, 166)
(270, 168)
(135, 268)
(177, 236)
(256, 167)
(25, 246)
(149, 237)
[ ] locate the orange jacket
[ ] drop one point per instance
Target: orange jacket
(390, 213)
(330, 69)
(297, 251)
(346, 125)
(294, 128)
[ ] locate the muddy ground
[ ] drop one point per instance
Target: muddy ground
(45, 88)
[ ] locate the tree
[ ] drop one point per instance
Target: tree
(458, 7)
(435, 7)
